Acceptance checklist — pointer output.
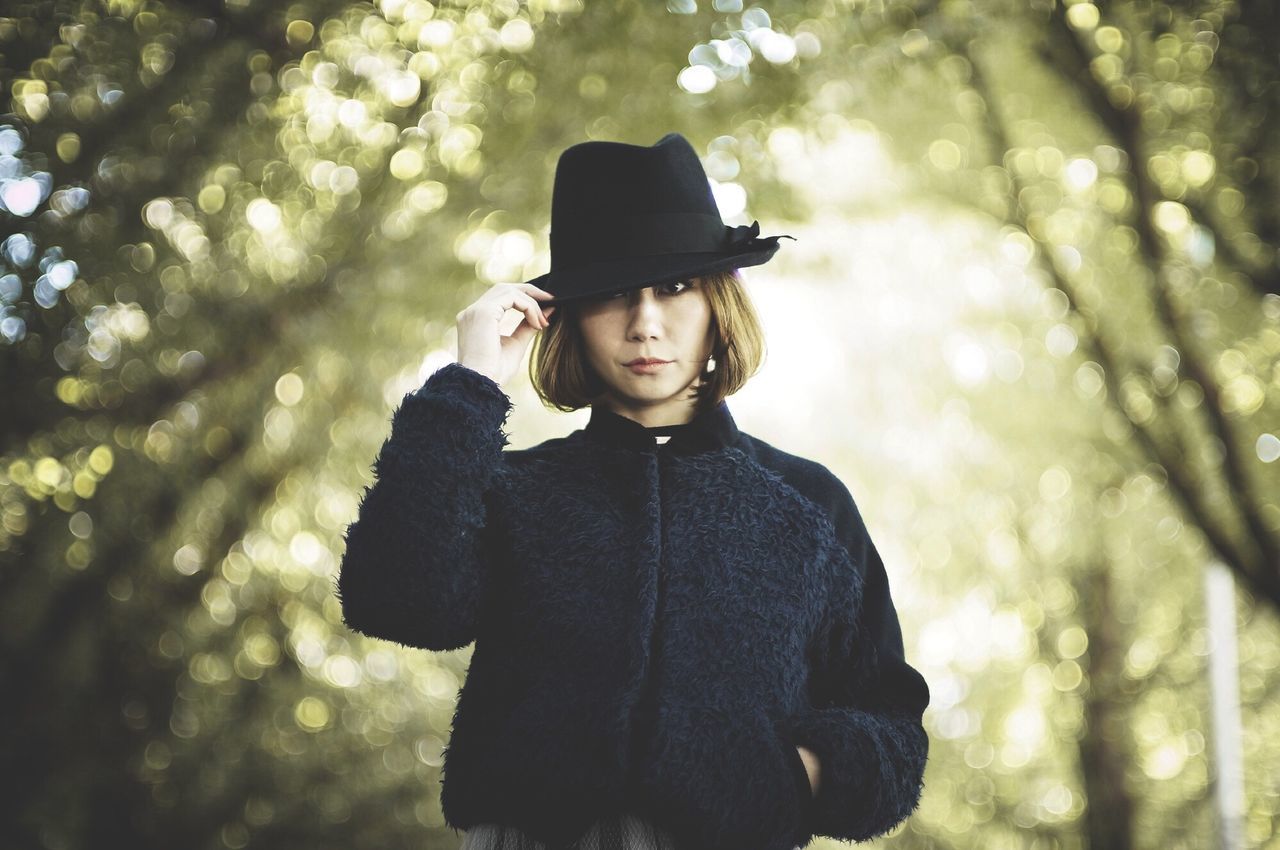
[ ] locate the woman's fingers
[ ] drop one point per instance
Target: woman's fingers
(532, 310)
(528, 294)
(523, 297)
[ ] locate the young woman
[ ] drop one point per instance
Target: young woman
(684, 636)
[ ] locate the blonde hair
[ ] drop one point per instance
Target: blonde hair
(565, 381)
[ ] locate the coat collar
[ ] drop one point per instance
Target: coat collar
(710, 429)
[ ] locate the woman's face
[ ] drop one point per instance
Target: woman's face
(671, 322)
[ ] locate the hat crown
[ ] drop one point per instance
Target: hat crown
(603, 188)
(616, 178)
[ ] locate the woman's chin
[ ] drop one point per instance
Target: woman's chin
(653, 386)
(650, 388)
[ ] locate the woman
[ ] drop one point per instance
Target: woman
(684, 636)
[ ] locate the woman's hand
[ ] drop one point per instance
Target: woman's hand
(811, 764)
(482, 347)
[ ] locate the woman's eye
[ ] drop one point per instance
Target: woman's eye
(681, 283)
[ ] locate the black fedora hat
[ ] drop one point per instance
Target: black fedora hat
(629, 216)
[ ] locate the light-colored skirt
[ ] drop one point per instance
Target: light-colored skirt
(621, 832)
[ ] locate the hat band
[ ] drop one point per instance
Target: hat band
(651, 234)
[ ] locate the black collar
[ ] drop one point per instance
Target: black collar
(710, 429)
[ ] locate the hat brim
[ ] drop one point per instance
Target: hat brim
(597, 279)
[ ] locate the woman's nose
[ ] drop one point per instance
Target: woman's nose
(646, 314)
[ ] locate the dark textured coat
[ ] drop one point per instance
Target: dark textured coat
(657, 626)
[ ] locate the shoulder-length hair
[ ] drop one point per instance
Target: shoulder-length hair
(565, 380)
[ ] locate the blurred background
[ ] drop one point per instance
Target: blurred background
(1032, 319)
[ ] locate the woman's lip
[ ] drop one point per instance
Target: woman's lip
(646, 362)
(644, 368)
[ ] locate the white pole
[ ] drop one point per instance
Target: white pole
(1224, 695)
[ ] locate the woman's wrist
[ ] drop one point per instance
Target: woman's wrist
(812, 767)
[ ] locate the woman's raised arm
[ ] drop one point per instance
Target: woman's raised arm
(415, 570)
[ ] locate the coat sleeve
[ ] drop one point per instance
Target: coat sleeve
(867, 702)
(414, 570)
